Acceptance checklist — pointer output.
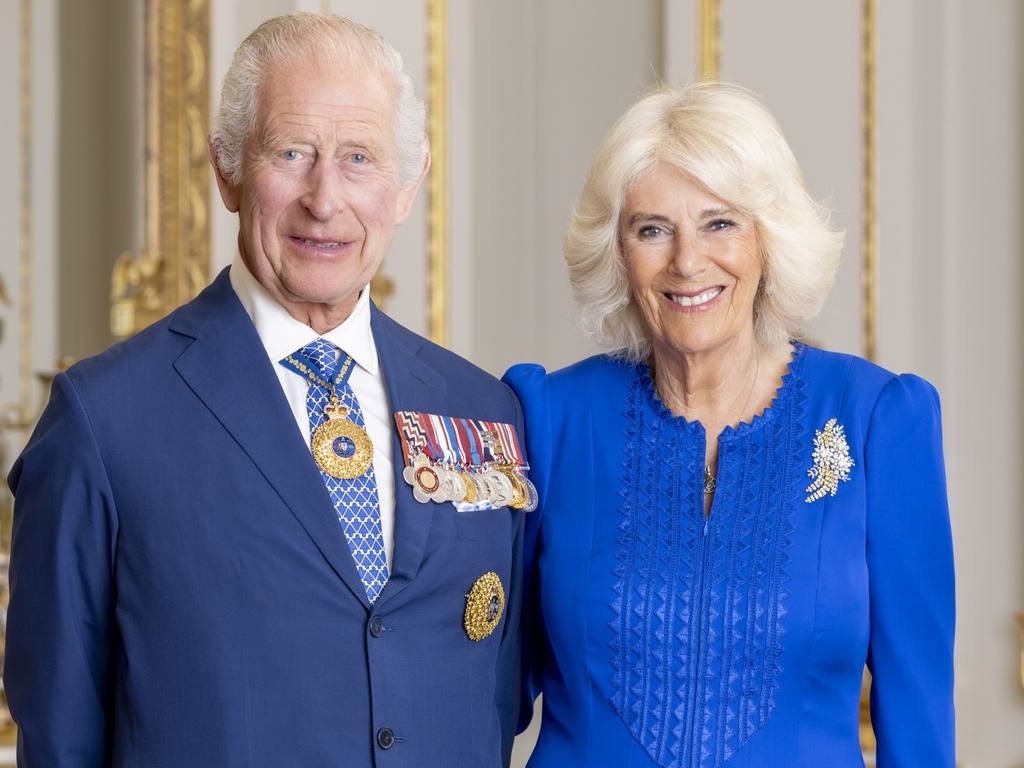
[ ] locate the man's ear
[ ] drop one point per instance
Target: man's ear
(408, 195)
(228, 189)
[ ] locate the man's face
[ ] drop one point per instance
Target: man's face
(320, 194)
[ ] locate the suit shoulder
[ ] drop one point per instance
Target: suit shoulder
(128, 359)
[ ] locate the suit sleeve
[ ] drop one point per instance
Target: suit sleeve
(529, 382)
(60, 617)
(910, 571)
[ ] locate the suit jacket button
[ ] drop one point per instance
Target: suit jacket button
(376, 626)
(385, 738)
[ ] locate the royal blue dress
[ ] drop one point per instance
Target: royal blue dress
(661, 638)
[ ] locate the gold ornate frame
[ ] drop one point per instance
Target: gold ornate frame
(437, 182)
(25, 388)
(869, 234)
(174, 264)
(708, 37)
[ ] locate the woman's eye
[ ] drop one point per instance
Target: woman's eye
(650, 231)
(719, 224)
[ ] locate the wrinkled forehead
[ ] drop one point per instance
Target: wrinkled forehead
(334, 73)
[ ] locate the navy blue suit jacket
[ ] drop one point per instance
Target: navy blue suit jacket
(182, 593)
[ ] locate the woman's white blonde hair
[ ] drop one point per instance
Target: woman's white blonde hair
(306, 36)
(724, 138)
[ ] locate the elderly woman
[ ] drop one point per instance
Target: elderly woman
(731, 522)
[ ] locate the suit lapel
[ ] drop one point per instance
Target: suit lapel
(411, 385)
(227, 368)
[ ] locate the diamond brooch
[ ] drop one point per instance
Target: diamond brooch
(832, 462)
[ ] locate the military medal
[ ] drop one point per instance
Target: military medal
(472, 491)
(422, 477)
(519, 492)
(485, 604)
(502, 492)
(340, 447)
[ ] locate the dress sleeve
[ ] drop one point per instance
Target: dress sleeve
(910, 572)
(60, 617)
(530, 384)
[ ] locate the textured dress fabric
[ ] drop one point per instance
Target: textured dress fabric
(661, 637)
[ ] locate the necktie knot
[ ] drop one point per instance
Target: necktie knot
(324, 356)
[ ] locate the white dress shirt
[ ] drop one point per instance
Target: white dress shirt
(282, 335)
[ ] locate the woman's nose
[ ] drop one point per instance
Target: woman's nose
(689, 257)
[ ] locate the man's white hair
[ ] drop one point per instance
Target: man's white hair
(318, 37)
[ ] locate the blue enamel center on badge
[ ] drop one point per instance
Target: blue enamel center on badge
(344, 446)
(493, 608)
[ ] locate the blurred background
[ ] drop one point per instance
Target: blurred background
(906, 117)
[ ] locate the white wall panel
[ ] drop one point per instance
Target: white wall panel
(550, 79)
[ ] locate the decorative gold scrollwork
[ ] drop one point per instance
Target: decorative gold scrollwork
(175, 262)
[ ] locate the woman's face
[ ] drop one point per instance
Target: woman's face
(692, 262)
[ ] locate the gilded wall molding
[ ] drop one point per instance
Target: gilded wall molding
(24, 294)
(437, 181)
(869, 243)
(175, 262)
(708, 39)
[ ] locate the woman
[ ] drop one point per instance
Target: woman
(731, 522)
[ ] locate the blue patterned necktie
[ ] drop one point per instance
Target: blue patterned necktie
(355, 500)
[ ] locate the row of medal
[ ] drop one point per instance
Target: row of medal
(489, 486)
(474, 464)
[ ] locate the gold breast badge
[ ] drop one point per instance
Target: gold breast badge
(484, 605)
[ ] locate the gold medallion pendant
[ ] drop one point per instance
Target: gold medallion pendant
(341, 447)
(485, 604)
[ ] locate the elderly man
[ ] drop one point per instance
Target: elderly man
(277, 528)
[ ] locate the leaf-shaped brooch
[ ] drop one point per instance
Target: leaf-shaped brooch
(832, 462)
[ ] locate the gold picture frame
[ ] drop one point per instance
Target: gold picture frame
(175, 261)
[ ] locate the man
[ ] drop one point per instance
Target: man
(191, 586)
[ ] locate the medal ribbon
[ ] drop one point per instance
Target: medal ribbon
(412, 433)
(448, 439)
(456, 441)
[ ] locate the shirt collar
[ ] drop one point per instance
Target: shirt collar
(282, 334)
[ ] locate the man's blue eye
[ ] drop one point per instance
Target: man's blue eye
(290, 154)
(358, 157)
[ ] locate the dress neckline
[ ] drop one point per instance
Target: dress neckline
(758, 421)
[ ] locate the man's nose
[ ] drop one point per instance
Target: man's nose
(325, 191)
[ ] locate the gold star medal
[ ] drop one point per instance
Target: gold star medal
(341, 447)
